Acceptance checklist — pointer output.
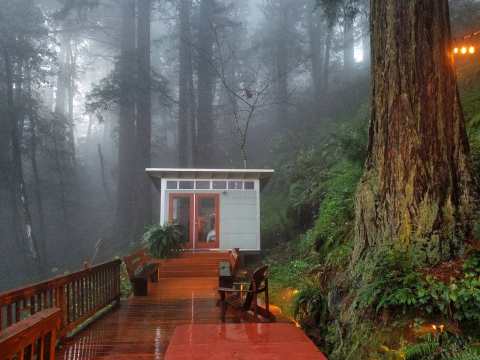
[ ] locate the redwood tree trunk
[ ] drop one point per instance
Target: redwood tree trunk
(206, 83)
(144, 118)
(416, 192)
(126, 130)
(186, 102)
(22, 204)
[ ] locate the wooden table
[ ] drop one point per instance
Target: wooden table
(259, 341)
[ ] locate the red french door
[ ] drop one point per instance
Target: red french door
(198, 217)
(181, 212)
(207, 221)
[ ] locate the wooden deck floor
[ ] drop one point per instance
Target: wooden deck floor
(142, 326)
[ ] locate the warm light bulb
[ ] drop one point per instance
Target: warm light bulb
(471, 50)
(455, 50)
(464, 50)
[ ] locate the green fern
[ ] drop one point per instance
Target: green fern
(467, 354)
(424, 350)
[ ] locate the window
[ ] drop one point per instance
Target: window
(235, 185)
(184, 185)
(219, 185)
(202, 185)
(172, 185)
(249, 185)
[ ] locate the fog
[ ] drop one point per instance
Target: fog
(95, 91)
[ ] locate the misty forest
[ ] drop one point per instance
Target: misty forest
(367, 110)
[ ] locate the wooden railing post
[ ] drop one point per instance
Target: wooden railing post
(78, 295)
(62, 305)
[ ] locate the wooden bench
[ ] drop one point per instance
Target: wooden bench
(140, 267)
(34, 337)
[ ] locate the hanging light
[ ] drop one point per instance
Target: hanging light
(463, 50)
(455, 50)
(471, 50)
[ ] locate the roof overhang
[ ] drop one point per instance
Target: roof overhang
(263, 175)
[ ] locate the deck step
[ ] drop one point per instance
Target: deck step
(197, 264)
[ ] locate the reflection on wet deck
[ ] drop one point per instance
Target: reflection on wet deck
(141, 327)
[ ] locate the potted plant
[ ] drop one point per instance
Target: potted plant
(164, 241)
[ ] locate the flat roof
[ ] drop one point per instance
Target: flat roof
(263, 175)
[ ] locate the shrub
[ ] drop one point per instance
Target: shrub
(395, 283)
(164, 241)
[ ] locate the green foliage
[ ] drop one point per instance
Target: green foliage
(125, 283)
(393, 282)
(164, 241)
(440, 347)
(311, 303)
(336, 215)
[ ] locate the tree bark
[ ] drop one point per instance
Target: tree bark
(186, 108)
(22, 205)
(316, 50)
(350, 12)
(206, 82)
(144, 119)
(281, 65)
(126, 141)
(416, 192)
(326, 58)
(41, 238)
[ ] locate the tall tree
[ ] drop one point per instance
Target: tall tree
(350, 11)
(281, 58)
(416, 192)
(144, 118)
(186, 98)
(126, 130)
(330, 8)
(206, 83)
(316, 42)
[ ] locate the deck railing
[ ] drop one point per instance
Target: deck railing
(78, 295)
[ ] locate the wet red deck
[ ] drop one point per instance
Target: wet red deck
(142, 327)
(241, 341)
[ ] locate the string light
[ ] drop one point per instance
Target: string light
(464, 50)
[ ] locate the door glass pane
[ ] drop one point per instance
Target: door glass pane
(181, 215)
(206, 221)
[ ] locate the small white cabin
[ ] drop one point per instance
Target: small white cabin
(217, 208)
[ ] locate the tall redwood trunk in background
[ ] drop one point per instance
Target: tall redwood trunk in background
(21, 199)
(416, 192)
(144, 118)
(186, 100)
(206, 82)
(350, 13)
(124, 221)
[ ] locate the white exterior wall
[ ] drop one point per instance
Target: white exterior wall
(239, 220)
(239, 215)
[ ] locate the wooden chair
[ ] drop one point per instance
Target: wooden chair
(140, 267)
(231, 296)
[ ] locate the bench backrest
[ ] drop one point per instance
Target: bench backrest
(136, 260)
(16, 339)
